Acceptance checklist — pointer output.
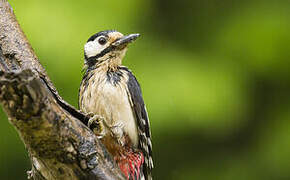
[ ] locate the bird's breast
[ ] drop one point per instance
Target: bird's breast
(106, 94)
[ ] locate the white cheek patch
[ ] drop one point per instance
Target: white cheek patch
(93, 48)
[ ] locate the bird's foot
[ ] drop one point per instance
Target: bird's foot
(117, 132)
(97, 124)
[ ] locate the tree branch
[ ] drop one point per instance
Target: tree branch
(59, 143)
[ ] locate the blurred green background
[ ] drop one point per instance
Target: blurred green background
(214, 73)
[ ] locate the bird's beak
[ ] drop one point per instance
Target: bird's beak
(125, 40)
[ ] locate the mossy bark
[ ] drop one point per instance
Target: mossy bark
(55, 134)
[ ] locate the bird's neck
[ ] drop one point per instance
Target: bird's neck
(111, 63)
(114, 63)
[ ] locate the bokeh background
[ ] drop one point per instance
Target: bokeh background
(214, 73)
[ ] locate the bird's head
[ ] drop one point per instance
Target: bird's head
(107, 45)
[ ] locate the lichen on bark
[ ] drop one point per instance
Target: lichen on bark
(59, 143)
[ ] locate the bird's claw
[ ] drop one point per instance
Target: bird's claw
(100, 127)
(97, 124)
(117, 132)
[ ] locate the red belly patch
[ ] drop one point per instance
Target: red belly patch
(130, 164)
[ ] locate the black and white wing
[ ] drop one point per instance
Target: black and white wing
(143, 124)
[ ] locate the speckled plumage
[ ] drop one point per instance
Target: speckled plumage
(108, 97)
(111, 90)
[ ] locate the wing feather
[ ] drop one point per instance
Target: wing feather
(142, 120)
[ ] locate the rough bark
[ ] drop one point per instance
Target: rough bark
(55, 134)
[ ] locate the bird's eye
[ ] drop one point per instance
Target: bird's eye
(102, 40)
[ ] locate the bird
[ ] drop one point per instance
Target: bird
(111, 95)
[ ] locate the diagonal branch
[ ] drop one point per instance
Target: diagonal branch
(59, 143)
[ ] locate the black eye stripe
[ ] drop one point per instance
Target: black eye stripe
(101, 54)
